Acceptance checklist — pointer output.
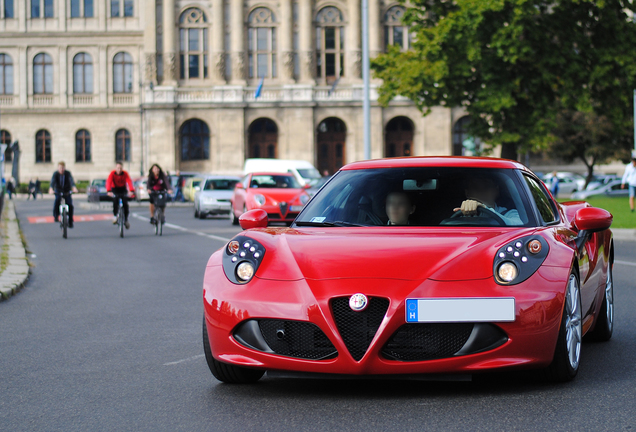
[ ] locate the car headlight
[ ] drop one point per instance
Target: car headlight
(518, 260)
(259, 199)
(241, 259)
(304, 199)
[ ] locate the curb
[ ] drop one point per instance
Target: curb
(15, 275)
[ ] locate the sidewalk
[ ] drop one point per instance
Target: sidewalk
(13, 254)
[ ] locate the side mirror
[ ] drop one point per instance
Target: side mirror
(239, 186)
(253, 219)
(306, 186)
(592, 219)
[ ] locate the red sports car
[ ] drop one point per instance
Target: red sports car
(421, 265)
(278, 194)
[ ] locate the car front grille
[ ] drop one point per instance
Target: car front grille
(297, 339)
(418, 342)
(357, 329)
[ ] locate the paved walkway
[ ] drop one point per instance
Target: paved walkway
(14, 267)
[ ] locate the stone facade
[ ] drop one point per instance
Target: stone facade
(200, 60)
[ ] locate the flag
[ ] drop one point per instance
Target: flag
(333, 87)
(258, 89)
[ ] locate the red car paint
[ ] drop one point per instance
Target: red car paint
(304, 268)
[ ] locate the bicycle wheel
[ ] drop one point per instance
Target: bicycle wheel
(120, 220)
(157, 217)
(160, 220)
(64, 223)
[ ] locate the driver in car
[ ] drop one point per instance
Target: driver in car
(483, 192)
(399, 206)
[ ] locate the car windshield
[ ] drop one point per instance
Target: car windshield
(274, 181)
(220, 184)
(419, 197)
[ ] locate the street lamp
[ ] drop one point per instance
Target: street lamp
(366, 106)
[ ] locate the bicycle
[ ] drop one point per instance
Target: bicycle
(121, 218)
(64, 218)
(160, 199)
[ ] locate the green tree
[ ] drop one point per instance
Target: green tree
(514, 64)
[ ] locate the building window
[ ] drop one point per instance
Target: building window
(122, 73)
(8, 9)
(122, 145)
(81, 8)
(5, 138)
(37, 6)
(195, 140)
(193, 44)
(6, 74)
(42, 74)
(329, 44)
(82, 73)
(395, 32)
(83, 146)
(123, 8)
(261, 43)
(43, 146)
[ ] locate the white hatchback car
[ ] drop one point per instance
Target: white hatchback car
(214, 196)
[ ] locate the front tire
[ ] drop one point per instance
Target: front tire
(567, 354)
(228, 373)
(233, 217)
(605, 322)
(196, 212)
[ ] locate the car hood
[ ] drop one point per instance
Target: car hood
(451, 254)
(278, 195)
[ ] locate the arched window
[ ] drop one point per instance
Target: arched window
(82, 73)
(6, 74)
(329, 44)
(399, 137)
(5, 138)
(122, 73)
(261, 43)
(193, 44)
(263, 139)
(195, 140)
(42, 74)
(463, 143)
(331, 140)
(42, 146)
(83, 146)
(122, 145)
(395, 32)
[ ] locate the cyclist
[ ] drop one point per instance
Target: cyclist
(116, 187)
(62, 184)
(157, 182)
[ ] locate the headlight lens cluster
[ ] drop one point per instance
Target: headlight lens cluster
(519, 259)
(259, 199)
(241, 259)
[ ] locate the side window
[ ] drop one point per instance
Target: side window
(244, 181)
(542, 201)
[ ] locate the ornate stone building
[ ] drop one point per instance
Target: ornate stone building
(200, 85)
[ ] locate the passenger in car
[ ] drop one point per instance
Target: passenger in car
(484, 192)
(399, 206)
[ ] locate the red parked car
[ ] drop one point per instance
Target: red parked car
(413, 266)
(278, 194)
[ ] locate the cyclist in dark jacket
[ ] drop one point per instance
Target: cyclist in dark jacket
(62, 184)
(157, 182)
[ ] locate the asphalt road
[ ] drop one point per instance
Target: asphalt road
(107, 337)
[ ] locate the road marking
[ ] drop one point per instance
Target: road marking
(184, 360)
(183, 229)
(627, 263)
(76, 218)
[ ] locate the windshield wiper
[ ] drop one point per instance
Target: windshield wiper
(327, 224)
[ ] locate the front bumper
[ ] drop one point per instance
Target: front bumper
(528, 342)
(218, 207)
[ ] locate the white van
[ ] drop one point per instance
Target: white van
(304, 171)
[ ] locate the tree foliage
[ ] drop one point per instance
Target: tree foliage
(515, 64)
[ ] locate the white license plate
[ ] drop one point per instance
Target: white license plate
(296, 208)
(436, 310)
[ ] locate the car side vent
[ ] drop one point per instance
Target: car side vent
(358, 329)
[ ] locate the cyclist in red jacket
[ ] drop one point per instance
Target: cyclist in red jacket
(116, 187)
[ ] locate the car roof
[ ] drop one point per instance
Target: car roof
(221, 177)
(272, 174)
(436, 161)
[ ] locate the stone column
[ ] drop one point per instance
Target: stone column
(150, 42)
(169, 44)
(217, 37)
(63, 77)
(104, 66)
(353, 66)
(375, 29)
(23, 75)
(285, 44)
(237, 42)
(305, 41)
